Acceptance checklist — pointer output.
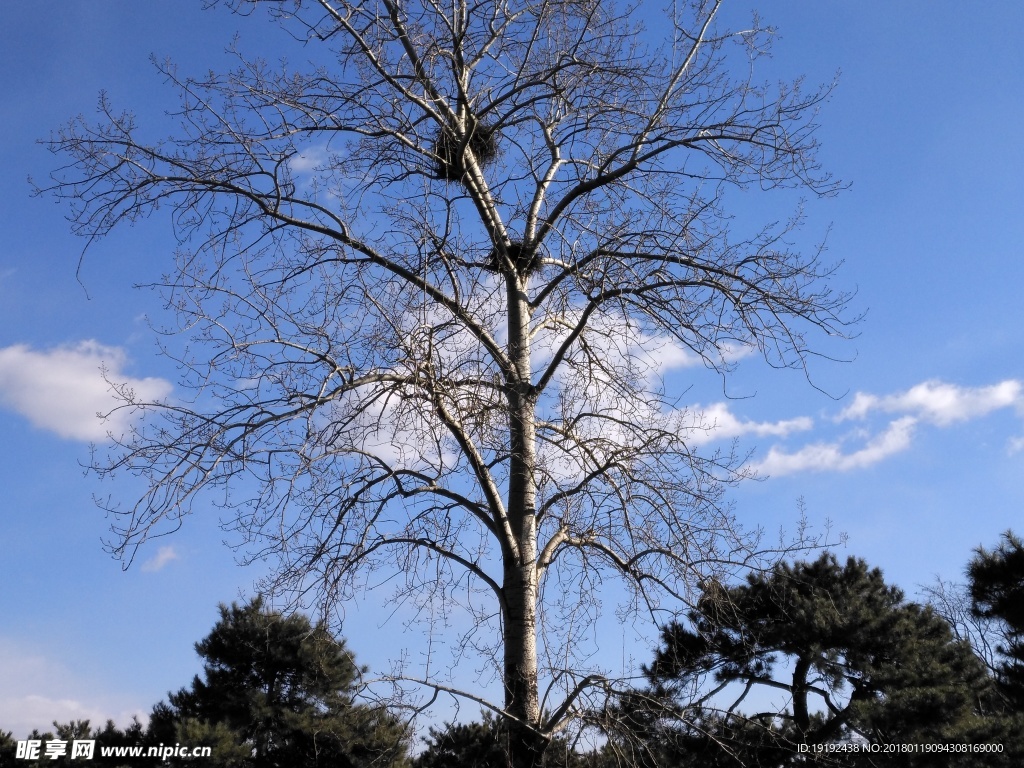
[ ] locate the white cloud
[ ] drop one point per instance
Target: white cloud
(717, 422)
(820, 457)
(35, 691)
(663, 354)
(938, 402)
(931, 402)
(63, 389)
(163, 556)
(308, 160)
(21, 714)
(736, 351)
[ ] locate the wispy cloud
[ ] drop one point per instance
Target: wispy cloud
(933, 403)
(938, 402)
(822, 457)
(163, 556)
(64, 389)
(37, 690)
(718, 422)
(308, 160)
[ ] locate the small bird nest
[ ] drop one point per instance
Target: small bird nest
(450, 150)
(525, 261)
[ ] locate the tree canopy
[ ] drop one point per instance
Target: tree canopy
(107, 736)
(996, 581)
(484, 744)
(278, 691)
(433, 278)
(851, 657)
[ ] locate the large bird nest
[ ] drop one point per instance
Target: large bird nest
(525, 260)
(450, 150)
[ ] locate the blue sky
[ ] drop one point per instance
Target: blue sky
(914, 448)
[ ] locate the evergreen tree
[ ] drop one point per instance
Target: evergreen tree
(8, 747)
(468, 745)
(277, 691)
(853, 658)
(108, 736)
(997, 592)
(483, 745)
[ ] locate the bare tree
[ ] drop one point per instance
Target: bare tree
(436, 276)
(952, 601)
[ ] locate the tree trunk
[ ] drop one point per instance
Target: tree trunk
(525, 746)
(522, 701)
(801, 715)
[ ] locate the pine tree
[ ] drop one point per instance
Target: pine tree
(468, 745)
(852, 657)
(483, 745)
(8, 748)
(997, 592)
(278, 691)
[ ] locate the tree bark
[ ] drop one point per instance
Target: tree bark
(800, 711)
(522, 702)
(526, 745)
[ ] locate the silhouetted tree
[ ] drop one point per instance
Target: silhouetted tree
(485, 745)
(278, 692)
(473, 745)
(996, 581)
(8, 749)
(108, 736)
(851, 657)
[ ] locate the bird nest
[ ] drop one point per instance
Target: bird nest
(450, 150)
(526, 261)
